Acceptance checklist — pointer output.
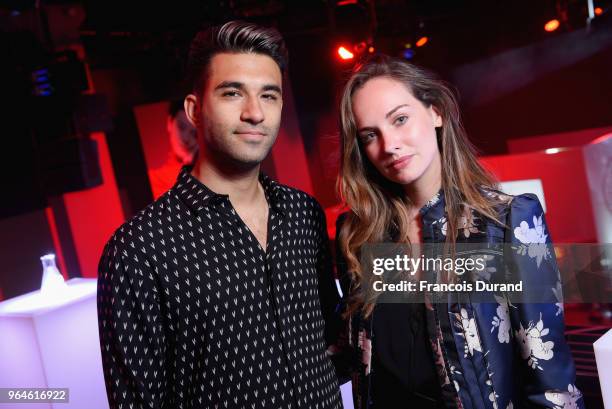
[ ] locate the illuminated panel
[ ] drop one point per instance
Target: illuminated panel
(95, 213)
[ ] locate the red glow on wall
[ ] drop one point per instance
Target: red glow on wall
(564, 200)
(95, 213)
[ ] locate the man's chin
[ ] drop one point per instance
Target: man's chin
(248, 160)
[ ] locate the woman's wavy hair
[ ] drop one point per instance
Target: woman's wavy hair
(377, 205)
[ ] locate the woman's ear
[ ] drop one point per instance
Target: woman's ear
(192, 109)
(437, 118)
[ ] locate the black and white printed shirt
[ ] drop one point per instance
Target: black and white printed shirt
(193, 313)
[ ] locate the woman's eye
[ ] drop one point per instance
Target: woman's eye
(368, 137)
(401, 119)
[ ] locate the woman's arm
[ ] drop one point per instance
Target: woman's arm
(545, 359)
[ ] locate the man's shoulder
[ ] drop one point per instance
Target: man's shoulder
(300, 199)
(144, 224)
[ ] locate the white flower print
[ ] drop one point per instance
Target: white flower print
(465, 224)
(533, 348)
(472, 342)
(492, 396)
(454, 371)
(502, 320)
(527, 235)
(485, 272)
(564, 400)
(533, 239)
(558, 292)
(442, 222)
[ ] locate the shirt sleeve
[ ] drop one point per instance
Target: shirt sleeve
(131, 334)
(538, 325)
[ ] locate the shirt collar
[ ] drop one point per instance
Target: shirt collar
(198, 196)
(433, 205)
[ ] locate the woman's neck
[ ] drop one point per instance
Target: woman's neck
(424, 188)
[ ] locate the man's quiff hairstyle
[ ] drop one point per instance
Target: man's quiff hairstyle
(232, 37)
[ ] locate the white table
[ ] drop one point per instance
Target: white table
(603, 357)
(52, 342)
(48, 342)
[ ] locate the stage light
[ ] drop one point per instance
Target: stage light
(408, 53)
(345, 54)
(551, 151)
(598, 11)
(422, 41)
(551, 25)
(371, 49)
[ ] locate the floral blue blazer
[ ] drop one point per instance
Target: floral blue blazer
(499, 355)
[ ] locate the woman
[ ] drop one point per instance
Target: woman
(409, 175)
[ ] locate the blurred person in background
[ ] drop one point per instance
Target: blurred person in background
(183, 139)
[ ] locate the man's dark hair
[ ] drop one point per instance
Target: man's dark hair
(232, 37)
(174, 107)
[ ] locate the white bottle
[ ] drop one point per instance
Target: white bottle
(52, 281)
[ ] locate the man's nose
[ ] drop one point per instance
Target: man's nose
(251, 111)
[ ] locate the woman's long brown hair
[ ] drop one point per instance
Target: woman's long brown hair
(377, 204)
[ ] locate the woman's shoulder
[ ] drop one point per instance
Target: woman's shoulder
(505, 202)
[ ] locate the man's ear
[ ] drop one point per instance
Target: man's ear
(192, 109)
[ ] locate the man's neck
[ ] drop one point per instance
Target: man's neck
(242, 186)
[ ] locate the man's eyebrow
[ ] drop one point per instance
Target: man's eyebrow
(271, 87)
(395, 109)
(230, 84)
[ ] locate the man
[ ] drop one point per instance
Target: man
(215, 295)
(183, 140)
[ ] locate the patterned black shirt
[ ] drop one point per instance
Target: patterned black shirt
(193, 313)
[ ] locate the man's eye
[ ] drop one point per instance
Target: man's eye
(231, 94)
(270, 97)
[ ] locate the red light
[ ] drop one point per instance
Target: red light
(371, 49)
(422, 41)
(552, 25)
(344, 53)
(598, 11)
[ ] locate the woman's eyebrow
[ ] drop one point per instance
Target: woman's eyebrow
(395, 109)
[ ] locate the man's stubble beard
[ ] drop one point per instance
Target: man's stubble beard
(223, 150)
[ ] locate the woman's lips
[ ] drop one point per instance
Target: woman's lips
(401, 163)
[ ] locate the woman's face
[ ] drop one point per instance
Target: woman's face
(397, 132)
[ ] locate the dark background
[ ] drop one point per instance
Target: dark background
(535, 82)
